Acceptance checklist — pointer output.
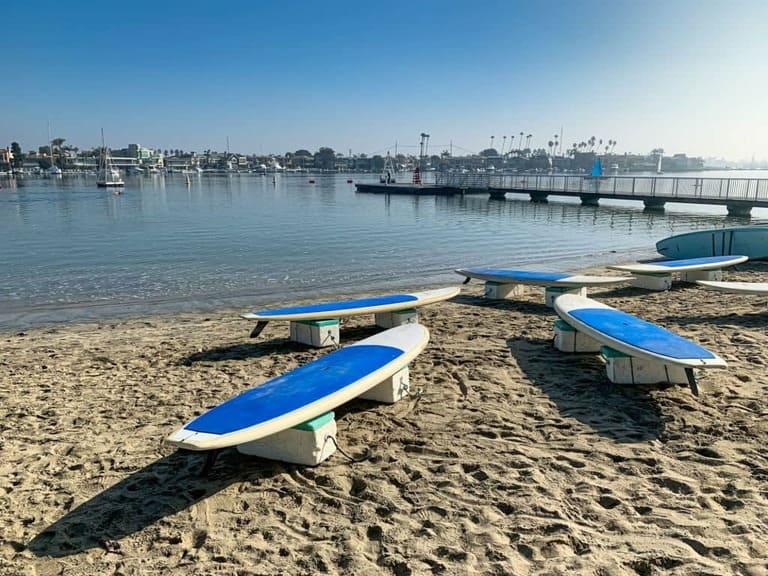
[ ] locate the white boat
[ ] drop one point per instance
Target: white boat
(107, 175)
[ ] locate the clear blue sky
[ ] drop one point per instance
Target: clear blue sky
(687, 75)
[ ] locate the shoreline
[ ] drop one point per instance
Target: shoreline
(515, 459)
(57, 314)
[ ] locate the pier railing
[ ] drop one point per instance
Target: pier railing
(684, 188)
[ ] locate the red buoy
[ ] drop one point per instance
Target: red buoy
(311, 181)
(349, 181)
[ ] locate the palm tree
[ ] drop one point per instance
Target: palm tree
(613, 146)
(56, 144)
(520, 143)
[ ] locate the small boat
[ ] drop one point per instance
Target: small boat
(108, 175)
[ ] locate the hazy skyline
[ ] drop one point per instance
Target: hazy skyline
(686, 76)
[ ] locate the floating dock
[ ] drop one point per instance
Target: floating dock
(411, 189)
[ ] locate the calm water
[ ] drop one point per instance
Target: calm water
(71, 251)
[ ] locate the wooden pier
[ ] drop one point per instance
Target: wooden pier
(738, 195)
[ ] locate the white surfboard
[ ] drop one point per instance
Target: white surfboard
(534, 278)
(304, 393)
(346, 308)
(631, 335)
(736, 287)
(687, 265)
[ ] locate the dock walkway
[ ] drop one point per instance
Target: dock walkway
(738, 195)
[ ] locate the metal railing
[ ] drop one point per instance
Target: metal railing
(643, 187)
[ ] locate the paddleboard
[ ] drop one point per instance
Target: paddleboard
(736, 287)
(631, 335)
(750, 241)
(345, 308)
(687, 265)
(304, 393)
(532, 278)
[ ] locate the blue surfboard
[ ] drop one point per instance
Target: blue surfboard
(684, 265)
(534, 278)
(635, 337)
(750, 241)
(304, 393)
(631, 335)
(345, 308)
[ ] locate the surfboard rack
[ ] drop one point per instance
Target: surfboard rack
(260, 325)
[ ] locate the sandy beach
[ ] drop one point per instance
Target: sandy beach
(514, 459)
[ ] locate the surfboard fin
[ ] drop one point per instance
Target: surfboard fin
(210, 460)
(692, 381)
(467, 280)
(258, 328)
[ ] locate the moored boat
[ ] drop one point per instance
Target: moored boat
(107, 175)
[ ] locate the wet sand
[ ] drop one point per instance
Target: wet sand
(514, 459)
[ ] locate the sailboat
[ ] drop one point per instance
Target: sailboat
(107, 175)
(53, 170)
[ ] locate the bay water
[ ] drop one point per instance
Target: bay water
(70, 251)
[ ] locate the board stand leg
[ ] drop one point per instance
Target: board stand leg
(658, 282)
(694, 275)
(260, 325)
(210, 460)
(316, 333)
(692, 381)
(498, 291)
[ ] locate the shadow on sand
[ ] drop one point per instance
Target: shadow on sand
(522, 306)
(163, 488)
(257, 349)
(757, 320)
(578, 385)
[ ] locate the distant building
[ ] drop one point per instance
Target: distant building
(145, 156)
(6, 156)
(681, 163)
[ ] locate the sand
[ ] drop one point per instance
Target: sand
(514, 459)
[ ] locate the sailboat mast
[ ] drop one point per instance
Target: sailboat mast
(50, 144)
(103, 157)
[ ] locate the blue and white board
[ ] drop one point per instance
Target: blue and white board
(686, 265)
(750, 241)
(304, 393)
(345, 308)
(631, 335)
(736, 287)
(533, 278)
